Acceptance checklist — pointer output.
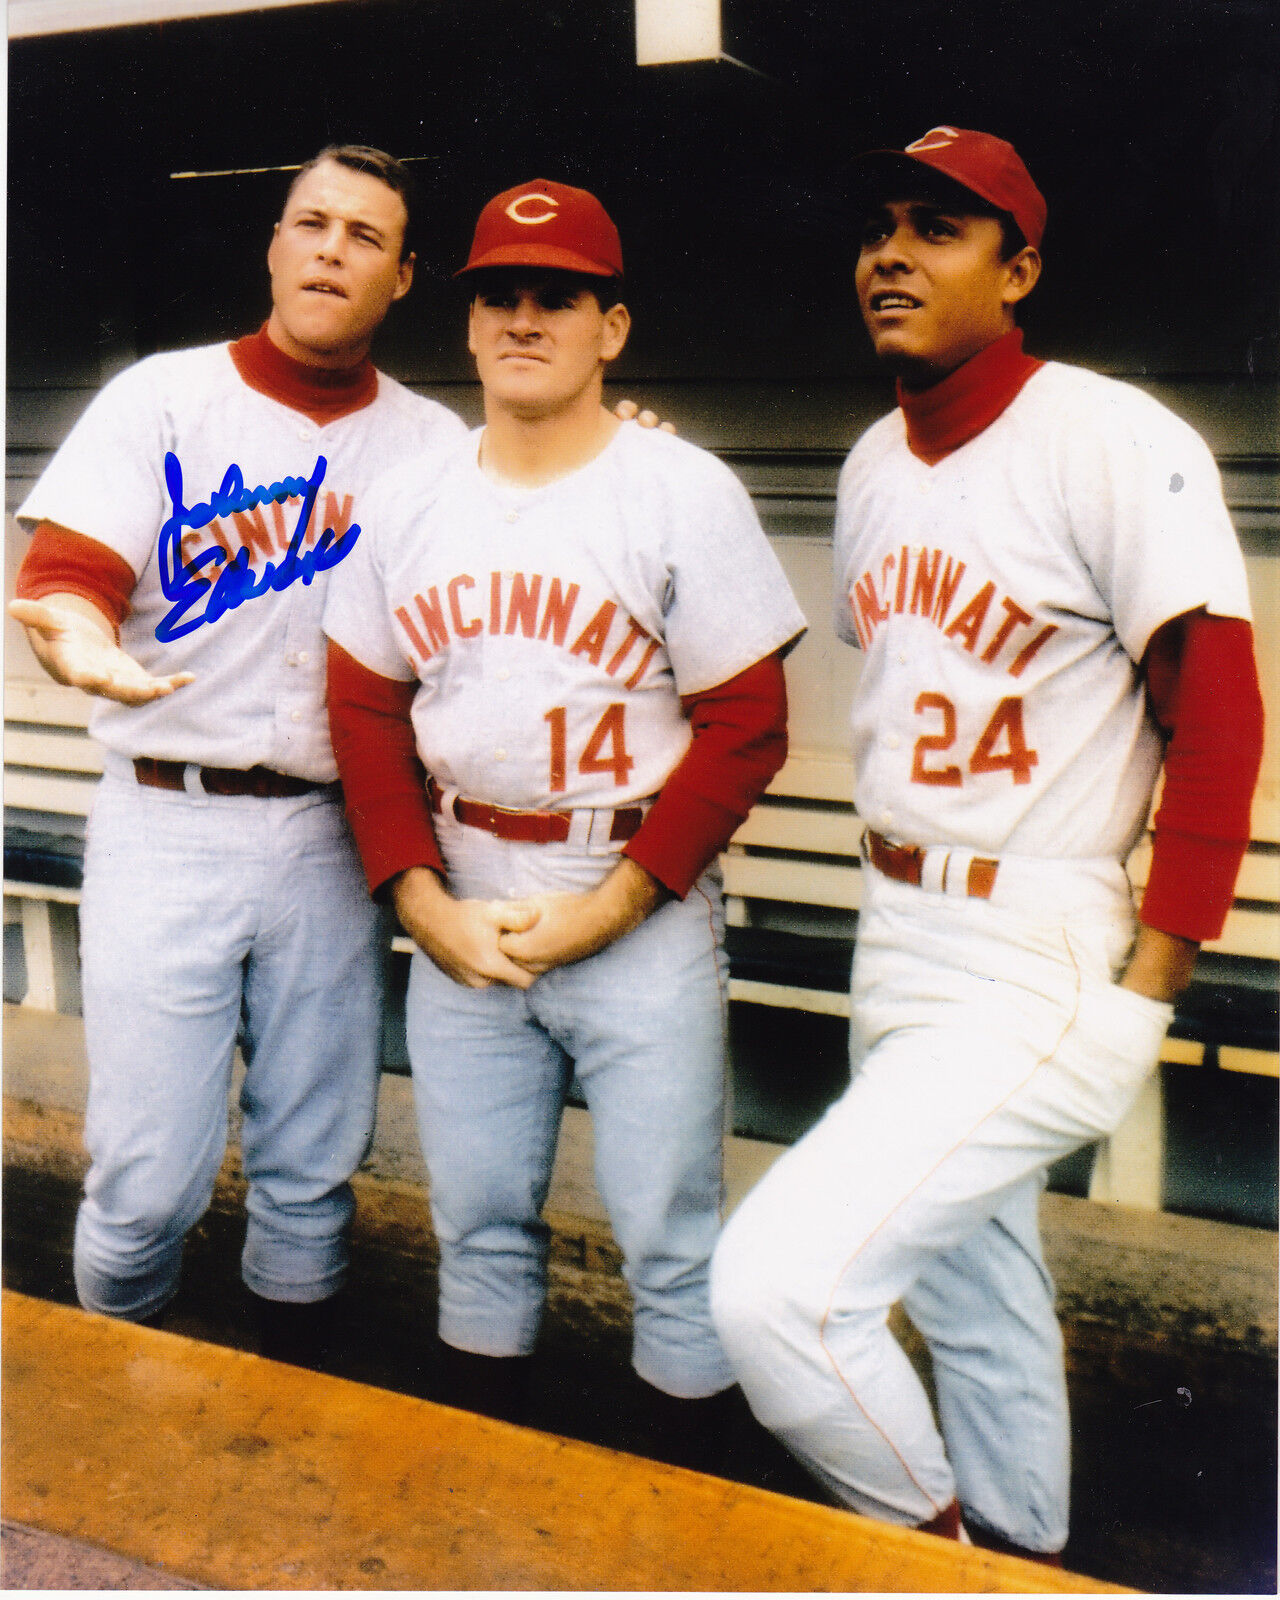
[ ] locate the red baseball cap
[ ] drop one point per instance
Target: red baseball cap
(986, 166)
(544, 224)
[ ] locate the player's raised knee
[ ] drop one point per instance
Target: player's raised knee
(749, 1290)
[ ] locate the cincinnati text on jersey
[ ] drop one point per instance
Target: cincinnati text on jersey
(925, 583)
(547, 615)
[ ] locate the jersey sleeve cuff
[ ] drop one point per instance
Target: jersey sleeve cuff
(1191, 884)
(394, 833)
(60, 561)
(681, 837)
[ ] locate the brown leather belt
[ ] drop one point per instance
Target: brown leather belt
(260, 782)
(905, 864)
(530, 827)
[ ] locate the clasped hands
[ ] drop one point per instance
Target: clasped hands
(478, 943)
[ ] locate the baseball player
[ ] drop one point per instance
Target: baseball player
(184, 537)
(1038, 567)
(556, 689)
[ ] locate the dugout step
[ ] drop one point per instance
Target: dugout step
(241, 1473)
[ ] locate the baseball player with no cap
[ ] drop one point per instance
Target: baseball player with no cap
(184, 538)
(577, 632)
(1039, 569)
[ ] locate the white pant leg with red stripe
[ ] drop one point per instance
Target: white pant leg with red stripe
(987, 1041)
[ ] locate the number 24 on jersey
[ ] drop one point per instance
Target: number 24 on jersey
(1001, 747)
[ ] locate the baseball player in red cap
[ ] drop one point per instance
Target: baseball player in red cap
(1038, 567)
(556, 689)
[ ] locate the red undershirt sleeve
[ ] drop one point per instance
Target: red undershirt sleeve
(739, 742)
(60, 561)
(383, 781)
(1203, 683)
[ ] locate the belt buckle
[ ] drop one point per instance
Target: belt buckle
(902, 862)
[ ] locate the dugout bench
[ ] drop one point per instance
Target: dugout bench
(793, 882)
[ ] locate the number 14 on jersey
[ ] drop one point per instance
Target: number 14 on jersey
(604, 751)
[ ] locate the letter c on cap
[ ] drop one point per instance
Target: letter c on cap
(935, 139)
(517, 215)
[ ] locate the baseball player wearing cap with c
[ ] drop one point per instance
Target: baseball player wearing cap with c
(556, 689)
(1039, 569)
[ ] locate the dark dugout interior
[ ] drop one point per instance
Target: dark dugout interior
(1151, 127)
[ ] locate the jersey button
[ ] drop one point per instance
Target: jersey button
(499, 755)
(513, 516)
(503, 674)
(303, 657)
(893, 741)
(295, 716)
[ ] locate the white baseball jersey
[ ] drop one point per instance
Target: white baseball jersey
(553, 630)
(259, 661)
(1003, 598)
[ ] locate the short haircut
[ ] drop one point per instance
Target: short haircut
(608, 291)
(378, 164)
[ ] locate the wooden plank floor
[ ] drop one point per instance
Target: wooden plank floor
(241, 1473)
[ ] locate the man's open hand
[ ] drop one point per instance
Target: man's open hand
(78, 650)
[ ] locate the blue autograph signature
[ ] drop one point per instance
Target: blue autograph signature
(185, 586)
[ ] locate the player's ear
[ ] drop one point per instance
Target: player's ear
(617, 325)
(471, 325)
(404, 277)
(1022, 273)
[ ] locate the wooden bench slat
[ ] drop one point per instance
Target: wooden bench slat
(1239, 1058)
(789, 997)
(52, 748)
(1182, 1052)
(1249, 933)
(814, 775)
(28, 790)
(41, 700)
(41, 891)
(1265, 823)
(831, 833)
(814, 883)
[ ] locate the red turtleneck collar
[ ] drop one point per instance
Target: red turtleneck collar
(320, 393)
(957, 408)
